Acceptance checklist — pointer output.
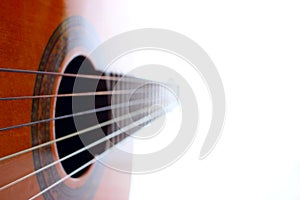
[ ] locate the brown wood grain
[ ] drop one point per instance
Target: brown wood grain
(25, 28)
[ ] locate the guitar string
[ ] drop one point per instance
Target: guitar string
(87, 76)
(62, 179)
(106, 138)
(116, 133)
(99, 93)
(64, 95)
(106, 108)
(27, 150)
(70, 135)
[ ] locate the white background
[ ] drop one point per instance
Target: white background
(255, 46)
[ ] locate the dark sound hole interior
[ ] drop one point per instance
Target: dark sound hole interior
(67, 126)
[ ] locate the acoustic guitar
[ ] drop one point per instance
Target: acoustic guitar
(49, 149)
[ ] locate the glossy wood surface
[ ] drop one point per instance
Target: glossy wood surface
(25, 29)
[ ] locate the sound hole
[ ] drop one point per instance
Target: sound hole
(67, 126)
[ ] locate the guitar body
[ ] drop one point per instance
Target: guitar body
(46, 36)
